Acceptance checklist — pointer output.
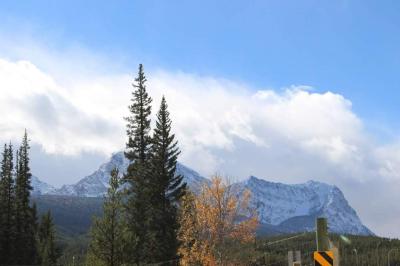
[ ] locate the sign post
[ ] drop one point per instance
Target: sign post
(323, 256)
(322, 234)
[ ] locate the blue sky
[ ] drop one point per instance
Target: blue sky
(295, 90)
(349, 47)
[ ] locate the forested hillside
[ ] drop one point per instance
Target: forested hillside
(72, 215)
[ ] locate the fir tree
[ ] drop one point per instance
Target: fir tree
(166, 190)
(25, 217)
(138, 127)
(46, 237)
(7, 211)
(106, 247)
(137, 176)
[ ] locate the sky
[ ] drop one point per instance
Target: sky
(284, 90)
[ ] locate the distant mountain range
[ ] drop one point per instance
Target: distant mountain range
(282, 208)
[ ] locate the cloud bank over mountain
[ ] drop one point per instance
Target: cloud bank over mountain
(286, 134)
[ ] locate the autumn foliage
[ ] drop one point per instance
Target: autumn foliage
(214, 223)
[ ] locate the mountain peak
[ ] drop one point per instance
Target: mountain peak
(40, 187)
(293, 208)
(286, 207)
(96, 184)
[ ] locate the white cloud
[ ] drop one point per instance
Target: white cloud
(221, 125)
(33, 100)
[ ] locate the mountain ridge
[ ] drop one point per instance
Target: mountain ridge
(284, 208)
(293, 208)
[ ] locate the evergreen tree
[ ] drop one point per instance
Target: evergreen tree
(46, 237)
(25, 217)
(137, 176)
(166, 190)
(106, 247)
(138, 127)
(7, 211)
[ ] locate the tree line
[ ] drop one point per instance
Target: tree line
(150, 217)
(23, 240)
(353, 250)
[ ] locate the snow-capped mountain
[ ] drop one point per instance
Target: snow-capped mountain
(293, 208)
(96, 184)
(282, 208)
(40, 187)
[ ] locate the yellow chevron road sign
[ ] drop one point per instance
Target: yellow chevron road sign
(323, 258)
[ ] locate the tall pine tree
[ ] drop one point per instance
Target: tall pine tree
(25, 220)
(46, 239)
(107, 243)
(7, 211)
(166, 190)
(138, 127)
(137, 176)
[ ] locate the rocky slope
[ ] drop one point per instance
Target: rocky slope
(40, 187)
(293, 208)
(282, 208)
(96, 184)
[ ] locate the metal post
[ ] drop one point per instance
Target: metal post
(322, 234)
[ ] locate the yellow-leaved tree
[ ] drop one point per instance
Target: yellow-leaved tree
(215, 223)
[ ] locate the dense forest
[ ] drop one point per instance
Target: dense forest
(149, 216)
(24, 239)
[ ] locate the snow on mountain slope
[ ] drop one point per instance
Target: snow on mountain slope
(40, 187)
(96, 184)
(294, 207)
(282, 208)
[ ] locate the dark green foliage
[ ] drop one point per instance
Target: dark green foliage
(71, 215)
(137, 176)
(165, 153)
(154, 190)
(72, 250)
(107, 234)
(46, 239)
(7, 208)
(166, 190)
(18, 221)
(25, 220)
(138, 126)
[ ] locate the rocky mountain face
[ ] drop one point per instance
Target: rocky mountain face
(282, 208)
(293, 208)
(96, 184)
(40, 187)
